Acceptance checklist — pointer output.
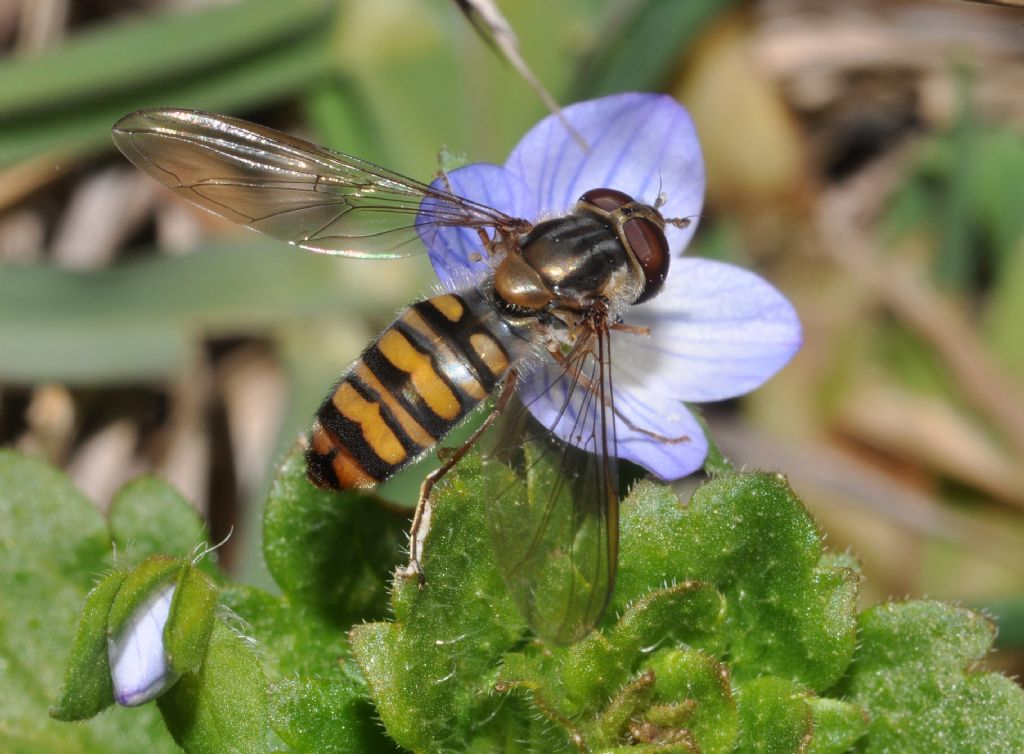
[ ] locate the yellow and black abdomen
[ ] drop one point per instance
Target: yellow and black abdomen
(432, 366)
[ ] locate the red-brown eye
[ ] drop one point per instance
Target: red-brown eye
(606, 199)
(647, 243)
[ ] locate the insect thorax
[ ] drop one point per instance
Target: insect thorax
(566, 263)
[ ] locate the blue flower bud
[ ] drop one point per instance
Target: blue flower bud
(139, 667)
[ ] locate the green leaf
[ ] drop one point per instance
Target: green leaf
(296, 639)
(222, 709)
(334, 551)
(693, 681)
(775, 717)
(671, 694)
(789, 611)
(318, 716)
(431, 670)
(149, 517)
(915, 674)
(87, 688)
(319, 701)
(54, 543)
(594, 668)
(729, 662)
(837, 725)
(748, 580)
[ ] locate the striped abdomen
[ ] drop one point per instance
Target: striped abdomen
(432, 366)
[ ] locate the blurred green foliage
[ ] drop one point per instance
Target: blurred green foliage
(962, 193)
(227, 57)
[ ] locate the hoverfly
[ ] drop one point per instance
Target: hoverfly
(553, 292)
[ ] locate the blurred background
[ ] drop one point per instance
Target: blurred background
(866, 158)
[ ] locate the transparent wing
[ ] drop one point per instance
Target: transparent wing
(291, 189)
(554, 506)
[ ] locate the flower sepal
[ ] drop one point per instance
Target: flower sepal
(190, 620)
(87, 689)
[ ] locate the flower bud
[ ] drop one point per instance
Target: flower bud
(138, 659)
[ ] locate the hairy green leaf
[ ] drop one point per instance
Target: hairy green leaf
(431, 670)
(222, 709)
(915, 673)
(788, 610)
(837, 725)
(775, 717)
(321, 716)
(333, 551)
(319, 701)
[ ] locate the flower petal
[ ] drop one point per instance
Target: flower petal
(138, 662)
(717, 331)
(453, 251)
(680, 449)
(642, 144)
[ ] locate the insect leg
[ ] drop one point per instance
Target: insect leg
(631, 329)
(649, 433)
(423, 510)
(587, 383)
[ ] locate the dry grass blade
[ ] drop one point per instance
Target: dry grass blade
(933, 434)
(28, 176)
(496, 31)
(1003, 3)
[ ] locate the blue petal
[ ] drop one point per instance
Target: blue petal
(642, 144)
(457, 253)
(716, 331)
(138, 662)
(680, 450)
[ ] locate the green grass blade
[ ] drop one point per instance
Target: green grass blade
(140, 53)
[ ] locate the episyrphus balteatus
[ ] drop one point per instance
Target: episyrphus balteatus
(552, 294)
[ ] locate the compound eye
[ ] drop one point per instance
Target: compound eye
(606, 199)
(648, 245)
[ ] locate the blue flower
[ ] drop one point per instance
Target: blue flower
(716, 331)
